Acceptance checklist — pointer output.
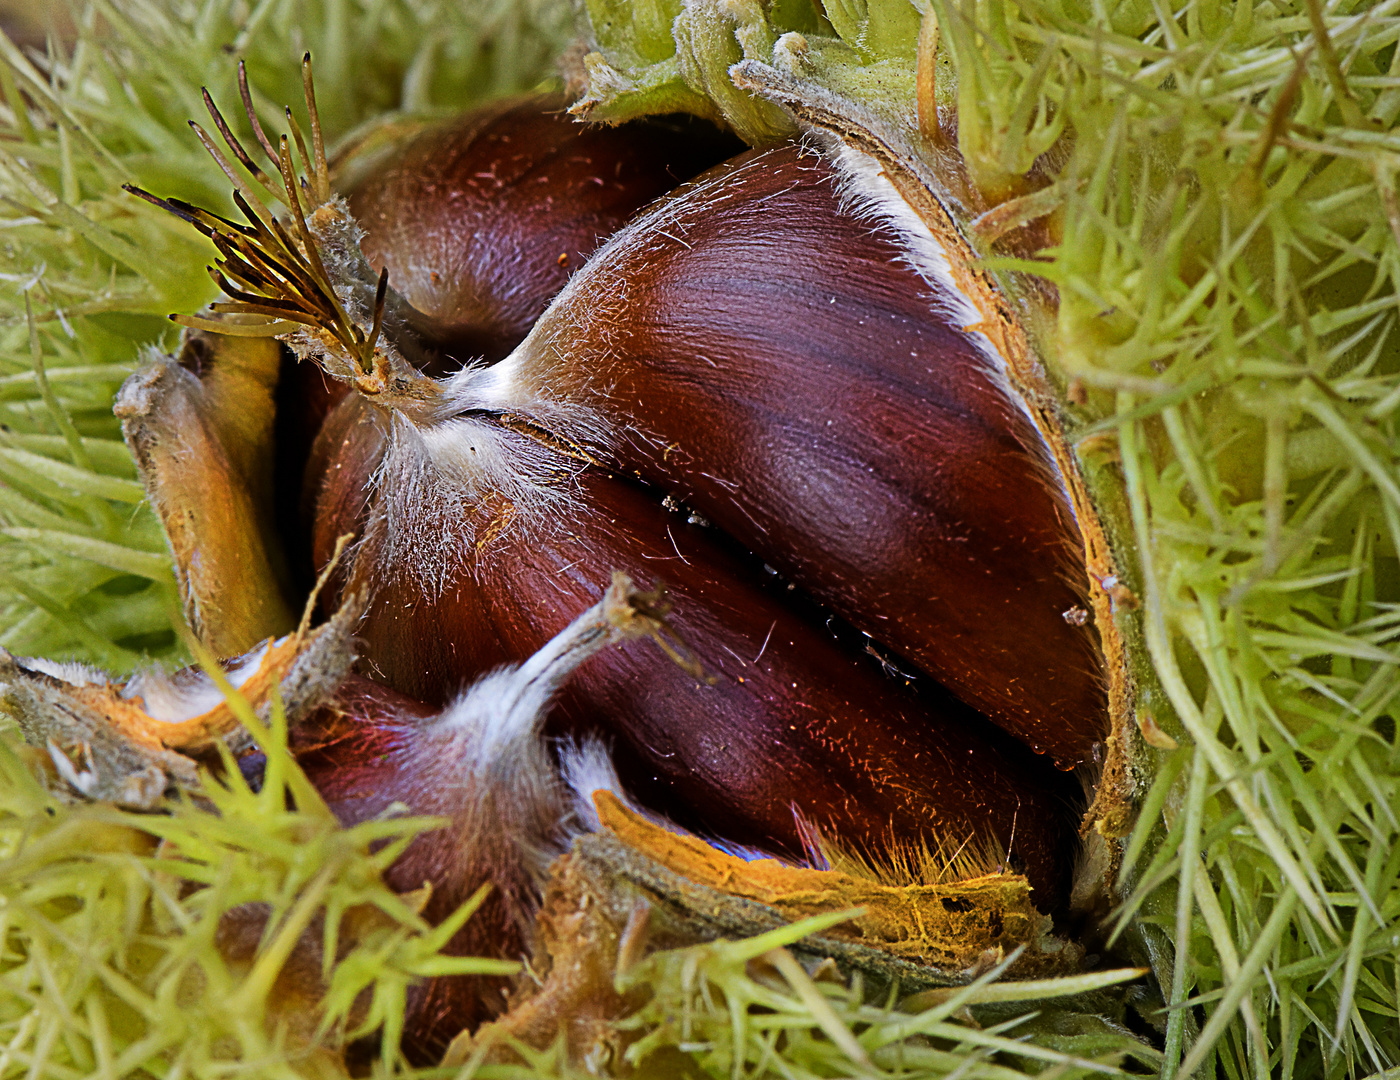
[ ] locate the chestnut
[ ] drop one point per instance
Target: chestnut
(481, 762)
(882, 468)
(512, 183)
(788, 728)
(780, 345)
(481, 219)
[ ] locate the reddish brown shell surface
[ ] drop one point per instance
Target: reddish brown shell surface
(792, 722)
(359, 752)
(482, 219)
(775, 361)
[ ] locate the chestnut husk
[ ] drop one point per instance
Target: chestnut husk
(201, 429)
(411, 407)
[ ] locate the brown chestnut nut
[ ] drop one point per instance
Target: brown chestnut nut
(481, 219)
(482, 764)
(478, 543)
(487, 511)
(781, 345)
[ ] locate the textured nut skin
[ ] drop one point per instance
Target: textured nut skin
(483, 218)
(792, 720)
(776, 362)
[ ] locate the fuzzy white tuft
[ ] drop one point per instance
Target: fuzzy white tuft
(442, 490)
(486, 763)
(493, 775)
(189, 692)
(169, 698)
(73, 673)
(587, 767)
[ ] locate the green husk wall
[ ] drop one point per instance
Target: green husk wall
(1227, 320)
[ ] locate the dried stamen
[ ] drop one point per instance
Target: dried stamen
(313, 256)
(247, 97)
(263, 270)
(228, 170)
(306, 164)
(321, 173)
(237, 147)
(271, 271)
